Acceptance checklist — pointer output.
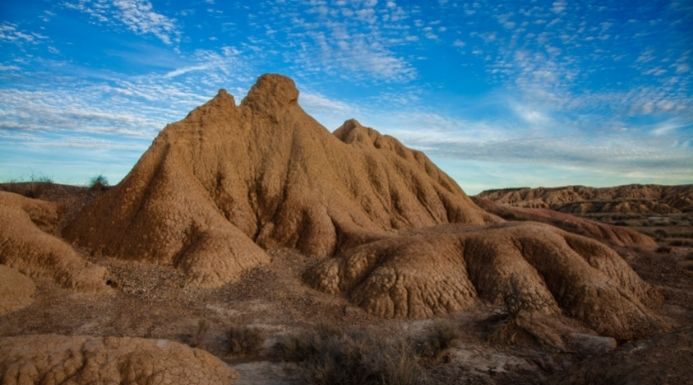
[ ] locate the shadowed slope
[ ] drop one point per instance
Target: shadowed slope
(228, 178)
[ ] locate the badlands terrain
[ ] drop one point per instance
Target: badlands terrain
(250, 245)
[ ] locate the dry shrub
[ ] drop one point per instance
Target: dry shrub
(438, 338)
(98, 183)
(245, 341)
(663, 249)
(198, 336)
(661, 234)
(681, 243)
(331, 356)
(33, 188)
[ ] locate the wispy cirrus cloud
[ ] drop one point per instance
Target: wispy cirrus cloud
(138, 16)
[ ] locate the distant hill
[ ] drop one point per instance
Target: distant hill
(634, 198)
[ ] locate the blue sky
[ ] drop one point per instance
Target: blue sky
(498, 94)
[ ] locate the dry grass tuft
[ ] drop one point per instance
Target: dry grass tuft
(328, 355)
(244, 341)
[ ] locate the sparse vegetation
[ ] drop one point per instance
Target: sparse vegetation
(331, 356)
(516, 301)
(34, 187)
(681, 243)
(661, 234)
(198, 337)
(663, 249)
(439, 337)
(98, 183)
(244, 341)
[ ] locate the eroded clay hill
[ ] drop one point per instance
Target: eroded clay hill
(216, 188)
(28, 244)
(388, 229)
(81, 360)
(640, 199)
(433, 271)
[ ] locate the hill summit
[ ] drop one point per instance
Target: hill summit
(217, 186)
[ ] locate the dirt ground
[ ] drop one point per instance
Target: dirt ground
(151, 301)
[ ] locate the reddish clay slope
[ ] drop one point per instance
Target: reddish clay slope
(228, 178)
(615, 235)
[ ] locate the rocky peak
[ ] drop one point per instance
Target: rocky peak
(271, 92)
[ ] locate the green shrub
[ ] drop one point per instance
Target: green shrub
(98, 183)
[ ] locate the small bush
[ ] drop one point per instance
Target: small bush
(98, 183)
(198, 337)
(439, 337)
(331, 356)
(41, 179)
(244, 340)
(681, 243)
(515, 300)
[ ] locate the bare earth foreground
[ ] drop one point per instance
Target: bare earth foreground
(249, 245)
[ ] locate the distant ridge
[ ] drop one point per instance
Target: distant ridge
(632, 198)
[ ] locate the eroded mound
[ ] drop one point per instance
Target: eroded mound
(228, 178)
(55, 359)
(16, 290)
(26, 244)
(434, 271)
(615, 235)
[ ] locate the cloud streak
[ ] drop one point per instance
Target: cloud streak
(137, 16)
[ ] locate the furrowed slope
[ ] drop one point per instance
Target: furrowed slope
(216, 188)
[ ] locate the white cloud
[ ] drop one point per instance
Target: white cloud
(205, 60)
(10, 33)
(559, 6)
(138, 16)
(314, 101)
(358, 41)
(666, 128)
(4, 67)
